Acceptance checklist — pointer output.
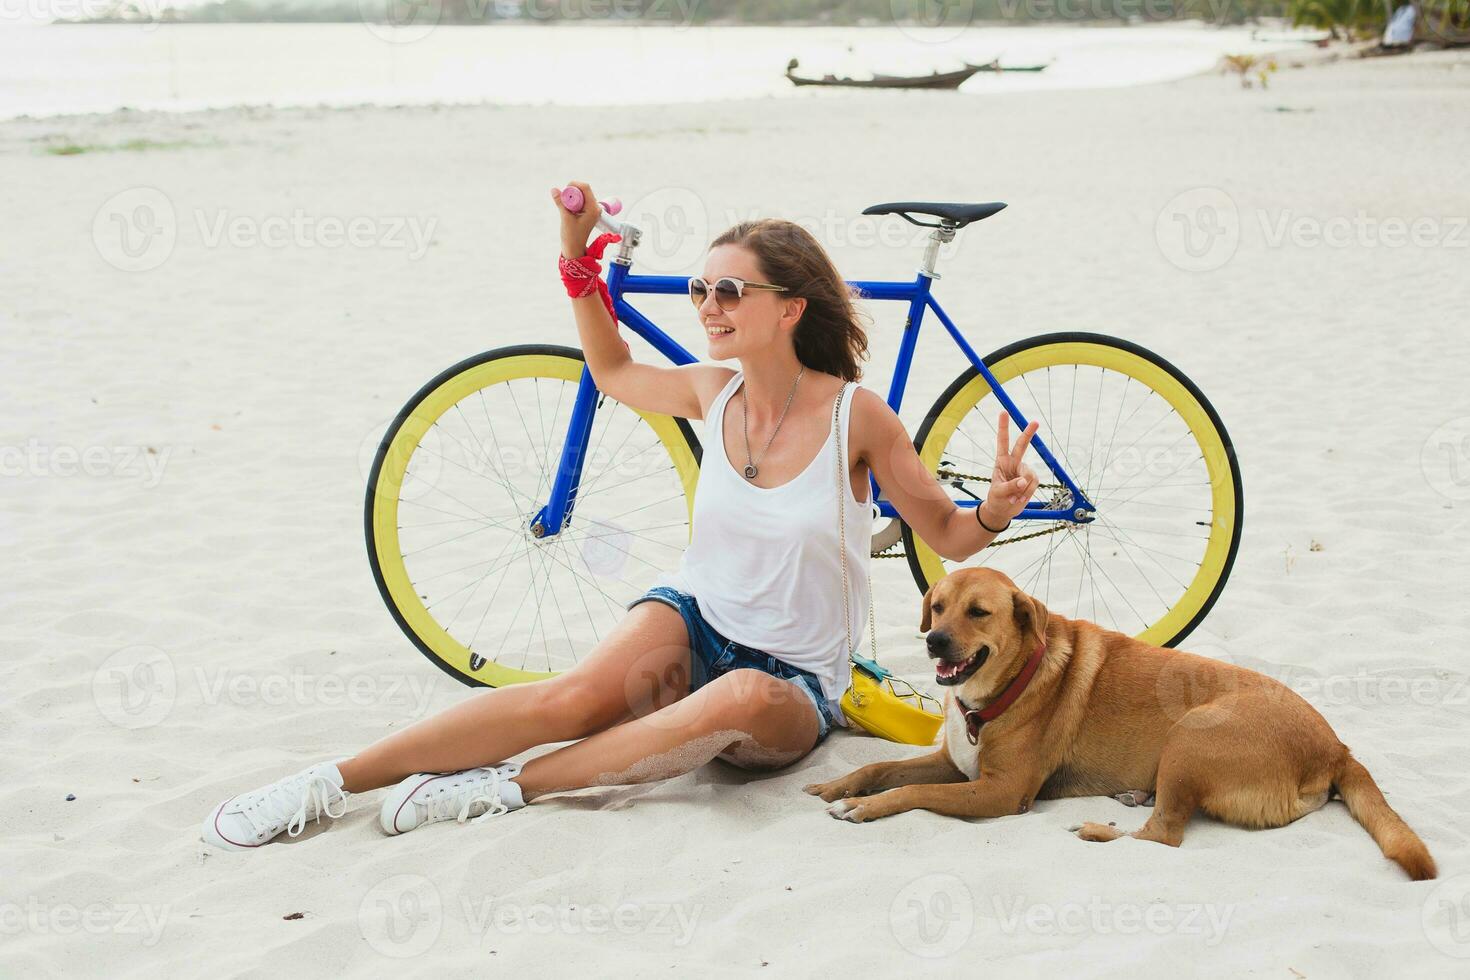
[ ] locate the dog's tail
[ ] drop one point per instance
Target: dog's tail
(1366, 803)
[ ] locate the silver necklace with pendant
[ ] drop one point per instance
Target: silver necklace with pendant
(750, 467)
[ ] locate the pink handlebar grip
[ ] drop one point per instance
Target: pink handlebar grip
(573, 200)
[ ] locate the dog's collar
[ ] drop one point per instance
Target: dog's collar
(975, 717)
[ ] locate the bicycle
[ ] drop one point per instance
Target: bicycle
(450, 505)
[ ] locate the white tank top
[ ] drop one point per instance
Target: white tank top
(763, 563)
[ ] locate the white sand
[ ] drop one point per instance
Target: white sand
(259, 375)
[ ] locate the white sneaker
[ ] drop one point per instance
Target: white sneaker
(426, 797)
(251, 819)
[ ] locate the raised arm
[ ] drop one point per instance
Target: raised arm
(683, 390)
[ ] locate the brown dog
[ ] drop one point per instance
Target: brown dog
(1103, 714)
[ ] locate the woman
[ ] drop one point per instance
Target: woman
(751, 670)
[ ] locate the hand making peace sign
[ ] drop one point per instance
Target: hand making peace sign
(1011, 482)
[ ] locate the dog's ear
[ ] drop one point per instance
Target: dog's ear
(924, 617)
(1030, 614)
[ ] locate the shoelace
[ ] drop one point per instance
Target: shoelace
(457, 801)
(290, 800)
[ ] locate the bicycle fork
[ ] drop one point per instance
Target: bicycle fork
(555, 514)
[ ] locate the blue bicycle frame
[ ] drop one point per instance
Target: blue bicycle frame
(916, 293)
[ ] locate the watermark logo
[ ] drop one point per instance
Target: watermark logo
(135, 687)
(401, 917)
(400, 21)
(1446, 917)
(675, 228)
(932, 21)
(423, 459)
(136, 230)
(1199, 229)
(1445, 459)
(933, 916)
(606, 547)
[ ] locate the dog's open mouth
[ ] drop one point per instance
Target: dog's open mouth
(948, 674)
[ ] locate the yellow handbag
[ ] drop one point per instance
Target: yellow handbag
(872, 700)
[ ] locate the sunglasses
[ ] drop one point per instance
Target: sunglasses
(728, 290)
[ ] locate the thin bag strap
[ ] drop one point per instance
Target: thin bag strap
(842, 528)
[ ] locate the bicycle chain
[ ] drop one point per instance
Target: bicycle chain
(944, 473)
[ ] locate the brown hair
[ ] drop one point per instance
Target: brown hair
(828, 336)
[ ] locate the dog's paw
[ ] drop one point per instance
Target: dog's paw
(1135, 797)
(847, 810)
(1098, 832)
(834, 790)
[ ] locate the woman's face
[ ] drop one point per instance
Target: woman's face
(760, 316)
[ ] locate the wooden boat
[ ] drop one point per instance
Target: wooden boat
(998, 68)
(935, 80)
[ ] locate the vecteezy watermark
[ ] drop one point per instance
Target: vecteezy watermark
(1100, 10)
(1394, 689)
(38, 459)
(141, 12)
(298, 687)
(1099, 916)
(842, 230)
(406, 21)
(136, 230)
(932, 916)
(147, 922)
(1200, 230)
(1445, 917)
(678, 13)
(1181, 689)
(299, 229)
(138, 686)
(675, 920)
(939, 21)
(402, 916)
(1445, 459)
(464, 444)
(1362, 230)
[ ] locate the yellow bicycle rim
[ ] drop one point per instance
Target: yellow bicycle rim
(427, 631)
(1216, 457)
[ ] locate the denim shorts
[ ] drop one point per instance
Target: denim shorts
(711, 654)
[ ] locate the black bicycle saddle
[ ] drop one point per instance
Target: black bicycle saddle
(958, 215)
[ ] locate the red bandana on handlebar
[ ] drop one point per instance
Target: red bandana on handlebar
(581, 275)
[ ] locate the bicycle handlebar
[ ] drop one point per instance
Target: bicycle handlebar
(573, 200)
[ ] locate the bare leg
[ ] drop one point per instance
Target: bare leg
(751, 718)
(638, 668)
